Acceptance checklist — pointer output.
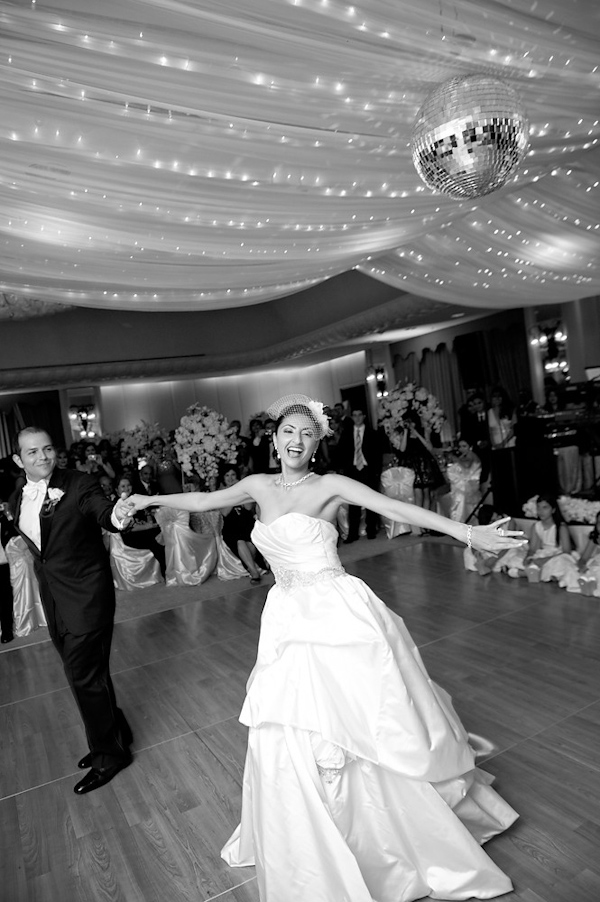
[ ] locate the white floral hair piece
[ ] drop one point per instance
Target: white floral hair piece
(299, 404)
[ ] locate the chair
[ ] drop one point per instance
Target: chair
(132, 568)
(190, 556)
(28, 613)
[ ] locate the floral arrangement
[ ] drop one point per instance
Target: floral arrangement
(136, 442)
(202, 440)
(574, 510)
(409, 397)
(52, 498)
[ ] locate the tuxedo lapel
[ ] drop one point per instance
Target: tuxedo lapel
(46, 519)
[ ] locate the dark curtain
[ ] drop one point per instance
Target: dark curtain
(495, 357)
(41, 412)
(406, 369)
(439, 373)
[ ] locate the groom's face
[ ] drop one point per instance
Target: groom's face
(37, 455)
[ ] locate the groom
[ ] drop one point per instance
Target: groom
(60, 514)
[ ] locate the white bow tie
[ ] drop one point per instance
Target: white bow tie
(33, 490)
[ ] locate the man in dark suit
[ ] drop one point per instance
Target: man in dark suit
(60, 514)
(360, 456)
(475, 430)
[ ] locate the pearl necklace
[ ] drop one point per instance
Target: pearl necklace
(289, 485)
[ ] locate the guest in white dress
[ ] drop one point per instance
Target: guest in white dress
(360, 781)
(549, 551)
(584, 575)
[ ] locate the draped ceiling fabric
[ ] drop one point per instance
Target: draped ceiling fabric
(197, 154)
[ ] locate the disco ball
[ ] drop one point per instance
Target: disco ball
(469, 136)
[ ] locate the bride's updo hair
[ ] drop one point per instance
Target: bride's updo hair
(301, 405)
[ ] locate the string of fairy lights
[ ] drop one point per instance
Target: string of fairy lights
(206, 157)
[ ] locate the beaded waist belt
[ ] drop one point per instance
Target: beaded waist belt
(295, 579)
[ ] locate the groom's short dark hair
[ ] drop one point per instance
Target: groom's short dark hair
(27, 430)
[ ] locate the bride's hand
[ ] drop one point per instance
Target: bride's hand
(496, 538)
(139, 502)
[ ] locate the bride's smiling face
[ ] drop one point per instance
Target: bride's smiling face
(296, 439)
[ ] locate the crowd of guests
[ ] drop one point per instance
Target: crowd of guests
(185, 550)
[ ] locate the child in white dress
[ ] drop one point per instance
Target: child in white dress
(549, 552)
(584, 575)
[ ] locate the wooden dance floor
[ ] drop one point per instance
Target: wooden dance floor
(520, 660)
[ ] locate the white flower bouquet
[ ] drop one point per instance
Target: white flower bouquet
(404, 398)
(202, 440)
(578, 510)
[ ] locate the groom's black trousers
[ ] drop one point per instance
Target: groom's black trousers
(86, 663)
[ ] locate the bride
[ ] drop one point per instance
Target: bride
(360, 783)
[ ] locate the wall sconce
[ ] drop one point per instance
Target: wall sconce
(84, 415)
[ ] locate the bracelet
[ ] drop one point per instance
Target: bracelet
(469, 536)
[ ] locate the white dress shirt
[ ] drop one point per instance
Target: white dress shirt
(32, 500)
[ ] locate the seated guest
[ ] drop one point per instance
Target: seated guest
(146, 484)
(548, 553)
(145, 531)
(107, 486)
(238, 523)
(584, 575)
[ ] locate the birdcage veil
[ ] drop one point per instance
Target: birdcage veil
(302, 405)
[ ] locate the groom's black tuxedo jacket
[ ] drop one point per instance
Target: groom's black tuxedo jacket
(73, 567)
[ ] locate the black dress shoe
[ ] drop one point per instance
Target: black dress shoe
(85, 762)
(100, 777)
(349, 540)
(6, 637)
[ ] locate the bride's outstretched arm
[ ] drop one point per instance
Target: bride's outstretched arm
(483, 538)
(240, 493)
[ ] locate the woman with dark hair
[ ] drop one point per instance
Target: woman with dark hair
(549, 546)
(501, 419)
(360, 780)
(238, 523)
(416, 454)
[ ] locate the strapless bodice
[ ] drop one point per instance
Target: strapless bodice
(298, 542)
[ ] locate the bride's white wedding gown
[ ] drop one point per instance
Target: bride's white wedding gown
(360, 783)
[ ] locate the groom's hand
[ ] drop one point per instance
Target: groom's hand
(124, 510)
